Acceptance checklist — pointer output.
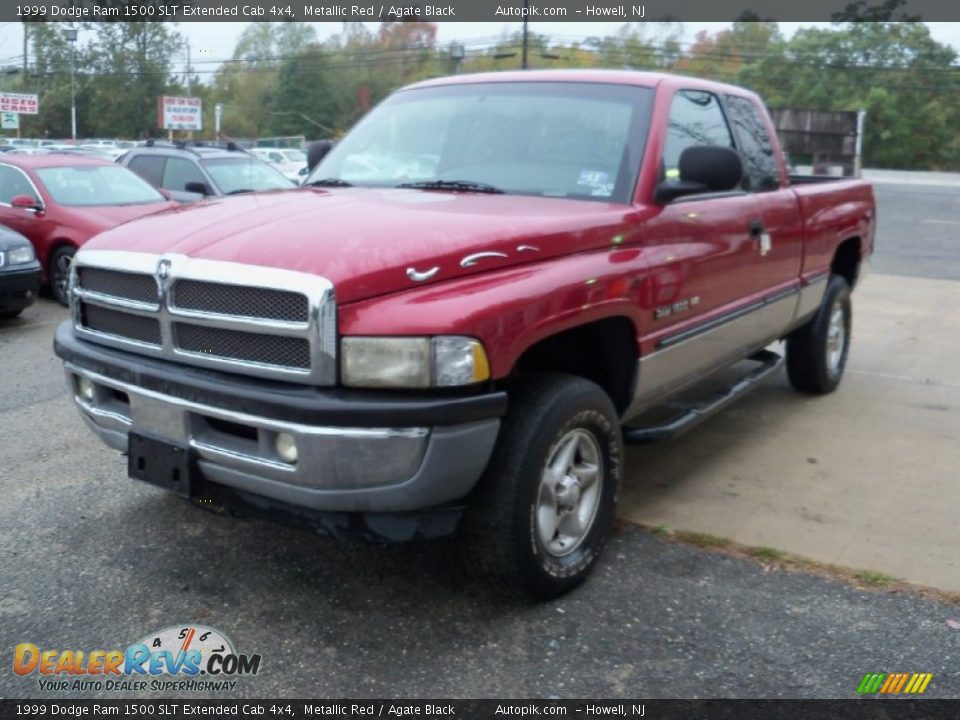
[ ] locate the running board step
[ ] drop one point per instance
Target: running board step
(769, 361)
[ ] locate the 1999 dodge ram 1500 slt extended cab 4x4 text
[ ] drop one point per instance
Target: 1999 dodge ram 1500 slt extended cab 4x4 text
(455, 318)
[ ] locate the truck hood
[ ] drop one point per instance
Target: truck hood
(366, 240)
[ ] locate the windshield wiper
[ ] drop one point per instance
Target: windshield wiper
(455, 185)
(240, 190)
(329, 182)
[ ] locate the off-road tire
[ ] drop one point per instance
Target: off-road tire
(809, 347)
(500, 531)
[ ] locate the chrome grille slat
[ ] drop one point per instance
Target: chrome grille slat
(240, 301)
(130, 286)
(265, 322)
(262, 349)
(121, 324)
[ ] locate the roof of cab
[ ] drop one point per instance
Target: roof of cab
(610, 77)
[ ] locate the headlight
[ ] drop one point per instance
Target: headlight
(20, 255)
(444, 361)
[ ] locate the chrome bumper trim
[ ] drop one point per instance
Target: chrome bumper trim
(329, 457)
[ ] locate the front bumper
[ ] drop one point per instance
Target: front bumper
(19, 285)
(369, 452)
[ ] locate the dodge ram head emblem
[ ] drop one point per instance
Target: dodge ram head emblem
(163, 269)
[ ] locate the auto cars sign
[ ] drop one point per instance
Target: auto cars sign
(19, 103)
(180, 113)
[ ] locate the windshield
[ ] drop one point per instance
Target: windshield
(97, 185)
(244, 174)
(577, 140)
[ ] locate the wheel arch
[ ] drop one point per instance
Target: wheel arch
(604, 351)
(847, 258)
(55, 245)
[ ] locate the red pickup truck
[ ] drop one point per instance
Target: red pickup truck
(460, 318)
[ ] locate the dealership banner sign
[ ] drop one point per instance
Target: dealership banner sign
(180, 113)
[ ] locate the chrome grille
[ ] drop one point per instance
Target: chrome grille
(121, 324)
(239, 318)
(252, 347)
(253, 302)
(132, 286)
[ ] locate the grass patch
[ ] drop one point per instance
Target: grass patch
(704, 540)
(660, 531)
(767, 554)
(874, 579)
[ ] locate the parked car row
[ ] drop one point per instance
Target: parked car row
(59, 201)
(55, 198)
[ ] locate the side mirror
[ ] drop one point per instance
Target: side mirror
(26, 202)
(197, 187)
(316, 151)
(703, 168)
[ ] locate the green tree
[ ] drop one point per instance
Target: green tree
(131, 62)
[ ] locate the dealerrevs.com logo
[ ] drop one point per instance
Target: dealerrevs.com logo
(187, 657)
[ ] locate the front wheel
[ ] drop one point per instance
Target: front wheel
(60, 263)
(817, 352)
(543, 511)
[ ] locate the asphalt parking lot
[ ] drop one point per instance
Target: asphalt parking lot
(93, 560)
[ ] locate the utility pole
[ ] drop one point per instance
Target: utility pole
(71, 35)
(526, 23)
(26, 48)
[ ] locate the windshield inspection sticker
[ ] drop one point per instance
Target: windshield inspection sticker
(598, 182)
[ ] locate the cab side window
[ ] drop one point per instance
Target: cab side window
(760, 173)
(12, 183)
(696, 118)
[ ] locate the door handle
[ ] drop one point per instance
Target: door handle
(756, 229)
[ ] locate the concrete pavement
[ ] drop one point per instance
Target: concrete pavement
(868, 477)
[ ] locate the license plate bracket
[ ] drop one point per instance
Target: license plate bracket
(160, 463)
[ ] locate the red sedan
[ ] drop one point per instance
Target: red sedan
(60, 201)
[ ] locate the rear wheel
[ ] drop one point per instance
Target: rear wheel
(817, 352)
(543, 511)
(60, 263)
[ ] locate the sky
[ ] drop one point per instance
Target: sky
(215, 41)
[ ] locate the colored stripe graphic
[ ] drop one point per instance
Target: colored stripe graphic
(871, 683)
(894, 683)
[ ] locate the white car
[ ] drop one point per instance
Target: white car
(112, 150)
(292, 162)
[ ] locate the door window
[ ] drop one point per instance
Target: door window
(696, 118)
(149, 167)
(12, 183)
(179, 172)
(760, 173)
